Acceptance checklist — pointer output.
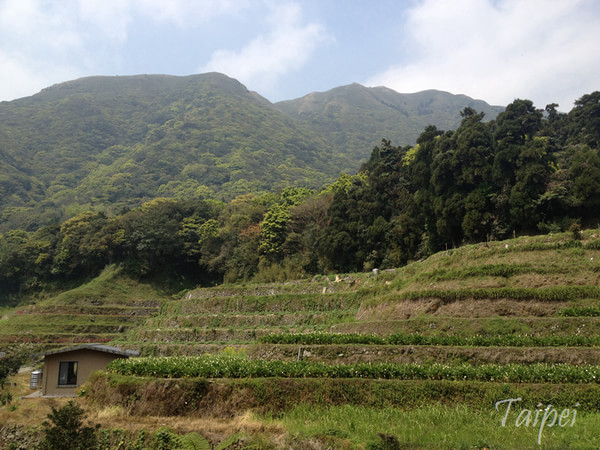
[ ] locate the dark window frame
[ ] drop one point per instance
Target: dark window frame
(67, 373)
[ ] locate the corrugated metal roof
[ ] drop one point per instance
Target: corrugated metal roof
(96, 347)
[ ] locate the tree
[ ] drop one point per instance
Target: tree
(10, 363)
(151, 242)
(81, 251)
(66, 429)
(585, 176)
(584, 120)
(274, 226)
(517, 124)
(531, 178)
(274, 231)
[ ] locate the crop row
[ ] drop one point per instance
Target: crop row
(419, 339)
(211, 366)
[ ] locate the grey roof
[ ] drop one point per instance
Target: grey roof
(96, 347)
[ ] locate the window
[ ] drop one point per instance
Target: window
(67, 373)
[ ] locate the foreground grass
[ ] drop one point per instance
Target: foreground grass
(436, 426)
(430, 427)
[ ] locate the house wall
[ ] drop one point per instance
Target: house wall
(88, 361)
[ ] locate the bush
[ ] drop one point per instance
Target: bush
(575, 230)
(67, 429)
(10, 364)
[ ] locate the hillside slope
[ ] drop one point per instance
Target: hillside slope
(356, 118)
(108, 143)
(111, 142)
(436, 343)
(544, 287)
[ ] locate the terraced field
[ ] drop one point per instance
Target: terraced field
(539, 294)
(528, 306)
(99, 311)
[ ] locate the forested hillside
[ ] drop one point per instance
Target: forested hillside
(529, 171)
(356, 118)
(111, 143)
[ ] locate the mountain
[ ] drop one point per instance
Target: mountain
(356, 118)
(109, 143)
(113, 142)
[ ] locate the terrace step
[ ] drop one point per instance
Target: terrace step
(252, 304)
(104, 310)
(351, 353)
(482, 326)
(51, 328)
(208, 335)
(66, 319)
(251, 319)
(298, 287)
(57, 338)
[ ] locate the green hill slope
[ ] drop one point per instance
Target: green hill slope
(538, 293)
(108, 143)
(356, 118)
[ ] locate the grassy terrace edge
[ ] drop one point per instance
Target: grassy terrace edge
(228, 396)
(554, 293)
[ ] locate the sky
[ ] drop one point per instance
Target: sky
(547, 51)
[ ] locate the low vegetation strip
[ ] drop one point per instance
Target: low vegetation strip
(419, 339)
(211, 366)
(579, 312)
(229, 397)
(555, 293)
(572, 243)
(486, 270)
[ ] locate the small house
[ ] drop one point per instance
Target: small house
(68, 368)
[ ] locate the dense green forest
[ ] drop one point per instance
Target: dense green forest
(528, 171)
(107, 144)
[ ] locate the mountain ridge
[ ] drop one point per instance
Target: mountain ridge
(400, 117)
(113, 142)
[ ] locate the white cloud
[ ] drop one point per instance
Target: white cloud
(543, 50)
(37, 38)
(110, 18)
(287, 46)
(114, 17)
(43, 42)
(25, 24)
(187, 13)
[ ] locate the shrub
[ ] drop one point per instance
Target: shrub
(9, 365)
(67, 429)
(575, 230)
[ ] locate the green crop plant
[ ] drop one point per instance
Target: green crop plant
(506, 340)
(211, 366)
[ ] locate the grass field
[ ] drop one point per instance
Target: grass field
(529, 304)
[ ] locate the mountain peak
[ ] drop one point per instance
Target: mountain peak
(141, 85)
